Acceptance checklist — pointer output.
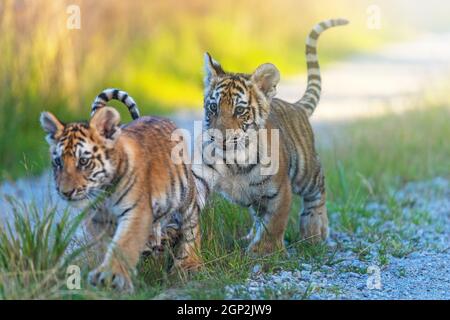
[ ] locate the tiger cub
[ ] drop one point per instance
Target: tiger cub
(236, 105)
(145, 193)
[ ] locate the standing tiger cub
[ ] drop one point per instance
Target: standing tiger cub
(146, 195)
(236, 104)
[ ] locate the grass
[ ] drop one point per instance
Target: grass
(371, 159)
(35, 251)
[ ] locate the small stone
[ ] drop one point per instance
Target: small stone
(297, 274)
(278, 280)
(361, 286)
(256, 269)
(305, 266)
(353, 274)
(326, 268)
(305, 275)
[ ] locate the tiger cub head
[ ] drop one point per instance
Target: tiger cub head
(235, 102)
(83, 154)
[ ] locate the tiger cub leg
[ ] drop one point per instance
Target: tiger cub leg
(269, 231)
(124, 251)
(187, 256)
(314, 219)
(100, 230)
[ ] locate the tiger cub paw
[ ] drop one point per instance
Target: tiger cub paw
(262, 248)
(188, 264)
(110, 278)
(314, 227)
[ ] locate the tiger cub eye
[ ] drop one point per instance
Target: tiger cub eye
(83, 161)
(239, 110)
(213, 107)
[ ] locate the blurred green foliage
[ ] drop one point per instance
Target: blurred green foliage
(153, 49)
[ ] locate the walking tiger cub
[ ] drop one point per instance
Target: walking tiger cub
(236, 104)
(146, 195)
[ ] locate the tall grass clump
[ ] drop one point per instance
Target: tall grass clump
(35, 250)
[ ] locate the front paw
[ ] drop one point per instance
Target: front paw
(266, 247)
(314, 227)
(189, 264)
(109, 278)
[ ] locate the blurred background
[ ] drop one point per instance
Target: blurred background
(154, 50)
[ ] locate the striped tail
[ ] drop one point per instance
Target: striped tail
(311, 96)
(115, 94)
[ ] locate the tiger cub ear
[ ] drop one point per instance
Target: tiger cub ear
(212, 70)
(266, 78)
(106, 121)
(51, 125)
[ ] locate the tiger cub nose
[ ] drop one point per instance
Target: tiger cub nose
(68, 194)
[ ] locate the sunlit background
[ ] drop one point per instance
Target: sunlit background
(154, 49)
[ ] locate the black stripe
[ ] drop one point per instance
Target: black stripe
(309, 106)
(271, 196)
(172, 183)
(260, 112)
(203, 181)
(211, 166)
(313, 77)
(252, 108)
(317, 85)
(169, 202)
(311, 49)
(98, 172)
(239, 88)
(103, 96)
(314, 35)
(182, 185)
(128, 209)
(131, 182)
(134, 114)
(221, 85)
(312, 65)
(246, 169)
(294, 166)
(125, 96)
(314, 93)
(115, 94)
(261, 182)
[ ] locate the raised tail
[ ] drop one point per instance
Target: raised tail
(311, 96)
(115, 94)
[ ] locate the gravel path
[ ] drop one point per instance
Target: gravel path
(422, 272)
